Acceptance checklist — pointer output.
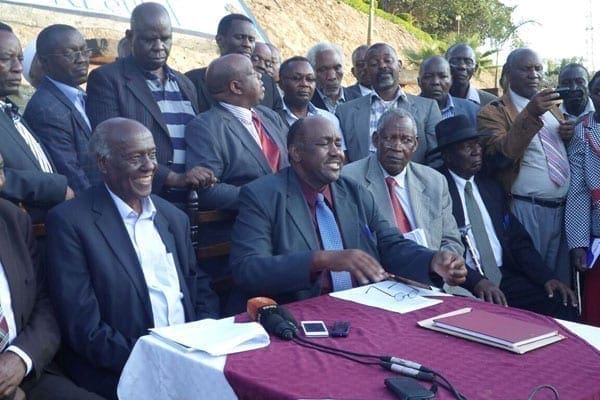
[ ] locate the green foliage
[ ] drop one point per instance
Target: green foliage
(554, 67)
(402, 19)
(490, 19)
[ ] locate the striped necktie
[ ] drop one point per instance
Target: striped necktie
(331, 240)
(558, 166)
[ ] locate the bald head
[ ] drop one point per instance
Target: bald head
(232, 79)
(147, 12)
(112, 132)
(150, 37)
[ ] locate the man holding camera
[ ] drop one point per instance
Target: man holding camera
(526, 153)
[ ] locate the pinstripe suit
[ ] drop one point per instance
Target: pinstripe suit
(119, 89)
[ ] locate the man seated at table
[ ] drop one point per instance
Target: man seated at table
(120, 261)
(29, 335)
(514, 269)
(305, 220)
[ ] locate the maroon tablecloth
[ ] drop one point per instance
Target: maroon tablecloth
(285, 370)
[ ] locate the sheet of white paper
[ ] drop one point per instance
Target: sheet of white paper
(417, 235)
(387, 295)
(216, 337)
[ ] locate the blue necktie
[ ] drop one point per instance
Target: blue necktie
(331, 240)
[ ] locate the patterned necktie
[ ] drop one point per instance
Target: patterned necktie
(482, 240)
(3, 330)
(269, 148)
(331, 240)
(558, 166)
(401, 220)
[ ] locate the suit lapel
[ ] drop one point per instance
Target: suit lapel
(297, 210)
(362, 123)
(235, 128)
(138, 87)
(346, 214)
(457, 209)
(376, 185)
(111, 226)
(60, 96)
(490, 203)
(13, 133)
(13, 271)
(420, 201)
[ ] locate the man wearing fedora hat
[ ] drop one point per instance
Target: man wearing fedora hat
(501, 246)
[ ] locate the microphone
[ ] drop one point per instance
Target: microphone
(407, 371)
(276, 320)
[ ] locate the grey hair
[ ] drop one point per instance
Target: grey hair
(323, 46)
(99, 143)
(395, 113)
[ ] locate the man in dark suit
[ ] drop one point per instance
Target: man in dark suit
(29, 335)
(362, 86)
(276, 250)
(463, 64)
(142, 87)
(434, 80)
(236, 34)
(120, 261)
(56, 111)
(30, 174)
(226, 138)
(358, 118)
(501, 244)
(327, 59)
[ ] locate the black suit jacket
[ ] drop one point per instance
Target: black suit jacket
(98, 287)
(119, 89)
(317, 100)
(26, 183)
(37, 332)
(518, 253)
(64, 132)
(271, 100)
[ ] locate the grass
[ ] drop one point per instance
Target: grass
(363, 6)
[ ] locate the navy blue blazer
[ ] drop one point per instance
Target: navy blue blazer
(274, 238)
(26, 183)
(518, 253)
(119, 89)
(98, 288)
(466, 108)
(64, 132)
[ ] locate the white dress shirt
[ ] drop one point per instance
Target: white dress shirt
(158, 266)
(487, 220)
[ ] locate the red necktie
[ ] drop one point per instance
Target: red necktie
(401, 220)
(269, 148)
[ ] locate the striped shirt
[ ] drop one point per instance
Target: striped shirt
(378, 107)
(176, 110)
(448, 111)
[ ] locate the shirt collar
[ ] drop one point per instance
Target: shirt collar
(310, 108)
(399, 95)
(243, 113)
(461, 182)
(74, 94)
(589, 107)
(153, 77)
(341, 97)
(400, 178)
(473, 95)
(449, 104)
(519, 101)
(126, 212)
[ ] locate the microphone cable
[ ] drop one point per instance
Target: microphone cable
(394, 364)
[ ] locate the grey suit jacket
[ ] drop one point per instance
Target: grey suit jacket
(64, 132)
(466, 108)
(119, 89)
(355, 119)
(485, 97)
(216, 139)
(429, 199)
(25, 181)
(353, 91)
(274, 237)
